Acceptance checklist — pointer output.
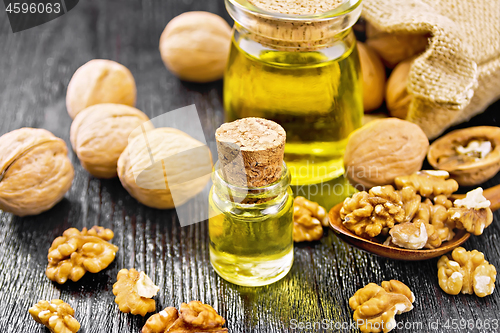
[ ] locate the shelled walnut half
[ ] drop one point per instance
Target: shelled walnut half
(134, 292)
(367, 214)
(309, 218)
(375, 307)
(468, 273)
(75, 253)
(429, 183)
(193, 317)
(472, 213)
(56, 315)
(470, 155)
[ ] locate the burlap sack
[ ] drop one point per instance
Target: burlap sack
(459, 74)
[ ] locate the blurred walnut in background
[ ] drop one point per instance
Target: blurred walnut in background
(373, 73)
(100, 81)
(195, 46)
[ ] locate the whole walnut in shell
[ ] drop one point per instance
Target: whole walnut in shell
(195, 46)
(396, 95)
(100, 81)
(373, 77)
(164, 167)
(35, 171)
(100, 133)
(394, 48)
(382, 150)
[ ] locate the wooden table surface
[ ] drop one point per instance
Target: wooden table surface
(35, 68)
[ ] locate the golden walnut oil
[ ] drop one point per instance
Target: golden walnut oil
(251, 245)
(315, 95)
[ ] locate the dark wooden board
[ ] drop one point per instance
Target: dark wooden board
(35, 68)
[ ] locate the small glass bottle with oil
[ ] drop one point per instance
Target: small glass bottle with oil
(251, 231)
(251, 204)
(303, 72)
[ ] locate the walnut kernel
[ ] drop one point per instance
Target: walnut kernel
(472, 213)
(367, 214)
(468, 273)
(309, 218)
(429, 183)
(409, 236)
(127, 294)
(194, 317)
(75, 253)
(375, 307)
(57, 316)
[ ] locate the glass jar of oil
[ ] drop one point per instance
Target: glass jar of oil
(303, 72)
(251, 230)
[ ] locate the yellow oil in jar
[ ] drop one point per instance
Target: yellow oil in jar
(317, 99)
(253, 245)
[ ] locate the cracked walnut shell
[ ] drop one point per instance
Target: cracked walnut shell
(470, 155)
(100, 81)
(472, 213)
(35, 171)
(375, 307)
(468, 273)
(129, 297)
(368, 214)
(309, 218)
(57, 316)
(100, 133)
(193, 317)
(429, 183)
(75, 253)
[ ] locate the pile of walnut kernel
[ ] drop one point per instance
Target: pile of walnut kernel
(418, 214)
(77, 252)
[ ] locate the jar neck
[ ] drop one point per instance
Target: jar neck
(294, 32)
(249, 195)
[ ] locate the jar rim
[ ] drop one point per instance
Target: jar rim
(346, 7)
(290, 31)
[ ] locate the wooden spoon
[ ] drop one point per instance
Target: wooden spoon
(492, 194)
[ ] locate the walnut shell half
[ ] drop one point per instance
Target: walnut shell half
(35, 171)
(100, 133)
(462, 153)
(382, 150)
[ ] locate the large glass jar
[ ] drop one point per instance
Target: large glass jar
(251, 230)
(303, 72)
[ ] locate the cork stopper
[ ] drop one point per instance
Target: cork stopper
(297, 7)
(251, 151)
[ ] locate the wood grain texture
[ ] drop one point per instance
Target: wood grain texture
(35, 68)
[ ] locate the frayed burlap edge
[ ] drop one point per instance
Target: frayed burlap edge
(443, 79)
